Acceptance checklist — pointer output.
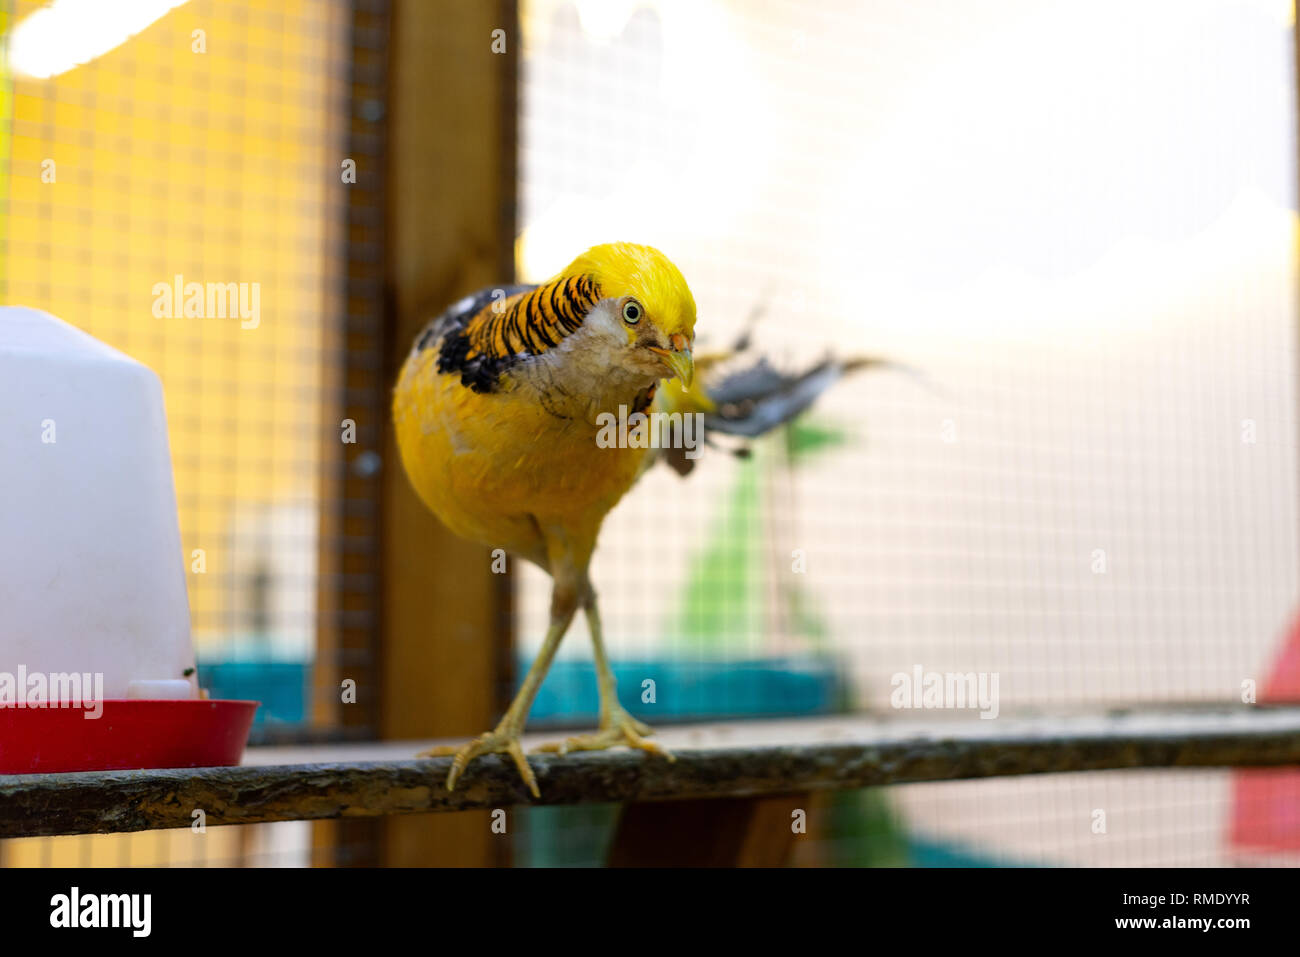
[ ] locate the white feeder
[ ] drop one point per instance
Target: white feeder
(92, 579)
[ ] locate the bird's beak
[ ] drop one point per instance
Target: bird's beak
(678, 359)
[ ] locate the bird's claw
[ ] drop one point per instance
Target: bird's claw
(500, 741)
(621, 729)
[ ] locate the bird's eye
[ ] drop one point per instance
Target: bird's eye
(631, 312)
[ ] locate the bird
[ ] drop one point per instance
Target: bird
(498, 413)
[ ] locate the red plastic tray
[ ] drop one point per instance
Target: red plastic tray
(131, 733)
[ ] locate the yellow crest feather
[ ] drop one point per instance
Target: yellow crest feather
(627, 269)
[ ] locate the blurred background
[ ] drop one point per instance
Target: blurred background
(1075, 220)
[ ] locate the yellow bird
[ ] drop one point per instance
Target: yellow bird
(503, 415)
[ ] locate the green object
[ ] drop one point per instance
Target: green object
(803, 440)
(723, 601)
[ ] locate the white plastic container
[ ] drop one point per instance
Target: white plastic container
(92, 579)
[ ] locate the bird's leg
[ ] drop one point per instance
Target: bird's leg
(617, 727)
(504, 738)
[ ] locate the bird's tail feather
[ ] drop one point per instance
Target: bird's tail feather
(753, 401)
(758, 399)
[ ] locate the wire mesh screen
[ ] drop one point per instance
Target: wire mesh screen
(1072, 228)
(202, 154)
(1065, 231)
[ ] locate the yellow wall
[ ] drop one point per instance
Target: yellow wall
(221, 166)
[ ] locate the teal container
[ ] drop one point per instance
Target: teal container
(281, 686)
(705, 690)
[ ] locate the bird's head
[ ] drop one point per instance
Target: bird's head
(646, 315)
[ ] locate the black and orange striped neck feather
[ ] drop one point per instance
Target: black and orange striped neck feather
(483, 335)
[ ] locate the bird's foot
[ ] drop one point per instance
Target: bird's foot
(619, 728)
(503, 740)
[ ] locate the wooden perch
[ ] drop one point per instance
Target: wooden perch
(715, 761)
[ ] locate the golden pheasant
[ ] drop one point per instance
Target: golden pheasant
(502, 414)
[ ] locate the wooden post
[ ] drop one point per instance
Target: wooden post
(717, 832)
(356, 388)
(445, 650)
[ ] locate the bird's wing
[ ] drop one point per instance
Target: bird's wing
(758, 398)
